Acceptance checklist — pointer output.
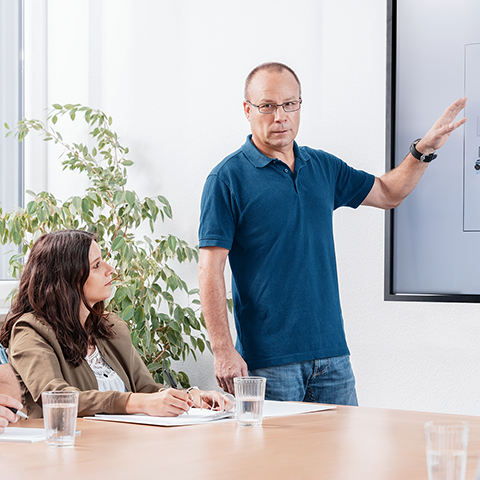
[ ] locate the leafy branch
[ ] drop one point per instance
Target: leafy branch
(146, 284)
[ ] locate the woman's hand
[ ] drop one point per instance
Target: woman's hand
(166, 403)
(211, 399)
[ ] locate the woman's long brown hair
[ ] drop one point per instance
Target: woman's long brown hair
(51, 287)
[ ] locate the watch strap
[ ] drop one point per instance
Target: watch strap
(421, 156)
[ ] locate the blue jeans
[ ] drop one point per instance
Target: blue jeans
(327, 380)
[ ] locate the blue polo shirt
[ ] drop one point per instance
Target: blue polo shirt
(277, 226)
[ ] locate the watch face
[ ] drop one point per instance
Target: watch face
(428, 158)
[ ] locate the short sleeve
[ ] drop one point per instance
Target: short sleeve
(217, 215)
(352, 186)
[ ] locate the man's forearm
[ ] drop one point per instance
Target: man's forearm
(214, 309)
(398, 183)
(213, 297)
(228, 363)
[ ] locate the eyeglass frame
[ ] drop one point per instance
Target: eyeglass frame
(276, 106)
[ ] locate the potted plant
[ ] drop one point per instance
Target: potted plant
(146, 285)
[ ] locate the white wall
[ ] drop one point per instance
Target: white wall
(171, 75)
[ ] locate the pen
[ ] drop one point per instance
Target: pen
(170, 379)
(17, 412)
(172, 382)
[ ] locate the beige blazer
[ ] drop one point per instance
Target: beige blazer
(38, 361)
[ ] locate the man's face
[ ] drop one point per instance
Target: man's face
(273, 132)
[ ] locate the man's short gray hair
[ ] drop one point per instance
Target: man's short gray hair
(271, 66)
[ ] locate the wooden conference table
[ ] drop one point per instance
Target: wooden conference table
(345, 443)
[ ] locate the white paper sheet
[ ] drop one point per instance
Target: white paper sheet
(196, 416)
(26, 435)
(280, 409)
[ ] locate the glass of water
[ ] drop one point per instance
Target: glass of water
(446, 450)
(60, 417)
(249, 399)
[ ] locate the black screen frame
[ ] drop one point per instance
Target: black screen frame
(391, 75)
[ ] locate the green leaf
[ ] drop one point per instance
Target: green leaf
(120, 294)
(172, 242)
(17, 238)
(77, 203)
(139, 314)
(118, 244)
(176, 326)
(31, 207)
(171, 337)
(163, 200)
(127, 313)
(130, 196)
(85, 205)
(154, 367)
(168, 211)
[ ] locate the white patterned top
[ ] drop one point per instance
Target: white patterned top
(107, 377)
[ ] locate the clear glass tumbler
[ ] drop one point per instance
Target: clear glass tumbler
(249, 399)
(446, 450)
(60, 417)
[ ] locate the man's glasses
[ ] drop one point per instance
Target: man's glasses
(288, 107)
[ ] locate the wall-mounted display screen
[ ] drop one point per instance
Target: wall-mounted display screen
(433, 237)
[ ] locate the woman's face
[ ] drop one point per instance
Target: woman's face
(98, 284)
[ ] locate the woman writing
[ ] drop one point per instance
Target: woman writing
(60, 338)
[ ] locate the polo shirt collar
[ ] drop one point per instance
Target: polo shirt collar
(259, 160)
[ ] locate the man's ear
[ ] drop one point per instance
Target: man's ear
(247, 109)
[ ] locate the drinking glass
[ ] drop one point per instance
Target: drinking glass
(249, 399)
(446, 450)
(60, 417)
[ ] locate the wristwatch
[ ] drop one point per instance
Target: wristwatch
(421, 156)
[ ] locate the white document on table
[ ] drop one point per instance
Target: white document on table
(273, 408)
(26, 435)
(196, 416)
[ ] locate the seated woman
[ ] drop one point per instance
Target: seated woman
(60, 338)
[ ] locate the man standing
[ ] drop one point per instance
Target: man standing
(268, 207)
